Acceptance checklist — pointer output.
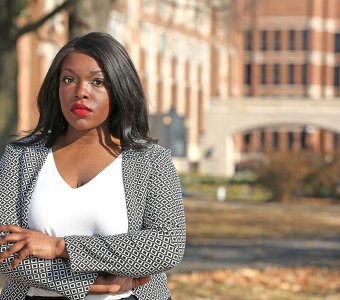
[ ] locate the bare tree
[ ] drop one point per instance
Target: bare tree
(90, 15)
(226, 14)
(9, 34)
(85, 15)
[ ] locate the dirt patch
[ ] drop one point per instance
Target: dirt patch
(254, 284)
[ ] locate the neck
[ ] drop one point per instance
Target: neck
(90, 137)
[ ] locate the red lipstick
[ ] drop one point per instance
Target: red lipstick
(80, 109)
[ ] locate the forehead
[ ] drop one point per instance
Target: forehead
(77, 61)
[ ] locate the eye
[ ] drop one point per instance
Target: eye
(68, 79)
(98, 82)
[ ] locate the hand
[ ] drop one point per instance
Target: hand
(112, 284)
(30, 243)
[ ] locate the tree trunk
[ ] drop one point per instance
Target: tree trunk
(9, 33)
(8, 94)
(90, 15)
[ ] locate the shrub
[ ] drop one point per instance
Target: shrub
(290, 174)
(241, 187)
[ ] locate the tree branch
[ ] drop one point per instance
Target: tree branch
(33, 26)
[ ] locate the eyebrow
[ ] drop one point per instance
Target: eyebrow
(91, 72)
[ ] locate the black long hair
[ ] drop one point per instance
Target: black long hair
(128, 119)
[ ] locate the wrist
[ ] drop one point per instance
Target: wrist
(61, 250)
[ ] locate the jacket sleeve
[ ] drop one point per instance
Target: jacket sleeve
(56, 274)
(156, 247)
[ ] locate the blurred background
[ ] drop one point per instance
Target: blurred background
(246, 95)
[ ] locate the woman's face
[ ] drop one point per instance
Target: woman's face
(83, 95)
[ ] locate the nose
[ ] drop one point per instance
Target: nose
(81, 90)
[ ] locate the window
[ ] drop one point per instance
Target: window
(248, 43)
(291, 40)
(305, 38)
(335, 141)
(204, 54)
(246, 142)
(263, 74)
(148, 5)
(163, 42)
(290, 140)
(191, 50)
(116, 25)
(263, 139)
(246, 139)
(176, 47)
(304, 74)
(336, 77)
(132, 12)
(277, 40)
(276, 140)
(303, 138)
(276, 74)
(263, 40)
(291, 74)
(247, 78)
(337, 42)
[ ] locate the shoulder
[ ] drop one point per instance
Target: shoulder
(34, 140)
(150, 153)
(13, 149)
(23, 146)
(154, 156)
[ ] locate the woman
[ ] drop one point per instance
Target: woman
(91, 206)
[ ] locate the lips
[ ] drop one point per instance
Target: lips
(80, 109)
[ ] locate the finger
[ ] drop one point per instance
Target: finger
(11, 237)
(140, 281)
(21, 255)
(15, 248)
(126, 285)
(116, 283)
(12, 228)
(11, 250)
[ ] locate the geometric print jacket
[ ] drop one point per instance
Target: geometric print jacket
(155, 241)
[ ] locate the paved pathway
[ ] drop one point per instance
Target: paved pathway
(261, 253)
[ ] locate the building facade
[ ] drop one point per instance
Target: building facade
(291, 51)
(35, 52)
(178, 50)
(182, 59)
(189, 58)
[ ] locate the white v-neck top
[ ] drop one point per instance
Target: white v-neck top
(98, 207)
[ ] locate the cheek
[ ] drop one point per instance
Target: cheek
(62, 96)
(106, 106)
(105, 111)
(63, 101)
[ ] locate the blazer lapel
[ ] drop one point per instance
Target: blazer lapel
(31, 164)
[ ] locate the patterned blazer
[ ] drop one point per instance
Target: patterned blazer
(154, 243)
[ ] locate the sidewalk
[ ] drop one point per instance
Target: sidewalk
(261, 253)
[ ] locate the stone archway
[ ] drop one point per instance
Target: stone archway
(225, 118)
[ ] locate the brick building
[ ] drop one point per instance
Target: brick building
(178, 54)
(182, 58)
(187, 58)
(291, 51)
(35, 53)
